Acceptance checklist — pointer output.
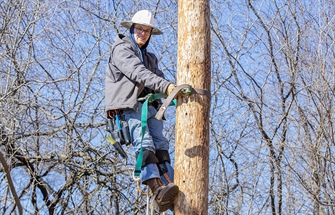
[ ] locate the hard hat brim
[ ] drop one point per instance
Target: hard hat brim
(128, 24)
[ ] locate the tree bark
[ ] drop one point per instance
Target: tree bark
(192, 114)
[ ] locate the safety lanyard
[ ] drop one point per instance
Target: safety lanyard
(149, 98)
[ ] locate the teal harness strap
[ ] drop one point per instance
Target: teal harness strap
(144, 117)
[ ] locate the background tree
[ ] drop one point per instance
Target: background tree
(272, 132)
(275, 115)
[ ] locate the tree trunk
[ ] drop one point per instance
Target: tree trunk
(192, 114)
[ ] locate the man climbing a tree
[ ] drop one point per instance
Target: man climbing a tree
(133, 73)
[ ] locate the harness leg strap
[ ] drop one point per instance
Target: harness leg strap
(148, 158)
(163, 156)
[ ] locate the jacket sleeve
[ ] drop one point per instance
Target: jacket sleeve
(128, 63)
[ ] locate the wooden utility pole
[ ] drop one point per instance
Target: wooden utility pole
(192, 113)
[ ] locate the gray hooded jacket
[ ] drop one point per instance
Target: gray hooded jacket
(126, 75)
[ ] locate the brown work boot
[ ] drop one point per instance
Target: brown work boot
(163, 195)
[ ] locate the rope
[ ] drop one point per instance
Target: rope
(148, 194)
(138, 186)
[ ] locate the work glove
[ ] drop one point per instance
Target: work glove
(169, 89)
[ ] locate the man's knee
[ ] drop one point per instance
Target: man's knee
(160, 158)
(149, 157)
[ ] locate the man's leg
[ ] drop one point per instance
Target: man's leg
(162, 146)
(164, 195)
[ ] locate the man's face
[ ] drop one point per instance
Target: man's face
(141, 34)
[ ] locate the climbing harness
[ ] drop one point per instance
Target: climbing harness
(185, 89)
(149, 98)
(120, 131)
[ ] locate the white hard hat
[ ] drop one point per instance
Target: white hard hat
(143, 17)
